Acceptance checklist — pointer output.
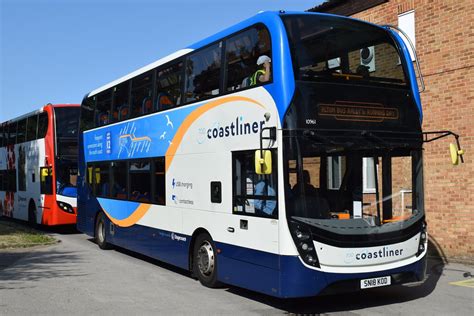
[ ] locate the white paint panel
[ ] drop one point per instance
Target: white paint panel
(66, 199)
(331, 256)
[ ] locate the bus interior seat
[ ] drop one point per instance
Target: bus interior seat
(147, 105)
(103, 118)
(164, 101)
(124, 112)
(115, 115)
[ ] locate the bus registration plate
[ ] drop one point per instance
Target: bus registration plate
(375, 282)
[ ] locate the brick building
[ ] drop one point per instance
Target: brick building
(444, 40)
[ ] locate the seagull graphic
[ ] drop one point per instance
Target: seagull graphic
(170, 142)
(163, 135)
(169, 121)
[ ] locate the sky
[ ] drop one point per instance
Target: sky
(56, 51)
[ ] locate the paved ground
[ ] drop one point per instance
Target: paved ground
(75, 277)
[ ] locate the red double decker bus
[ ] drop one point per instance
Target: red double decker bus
(38, 165)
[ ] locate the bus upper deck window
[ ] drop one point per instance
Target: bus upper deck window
(248, 58)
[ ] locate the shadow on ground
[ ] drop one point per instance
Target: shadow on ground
(333, 303)
(35, 265)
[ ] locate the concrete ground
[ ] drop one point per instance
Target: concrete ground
(75, 277)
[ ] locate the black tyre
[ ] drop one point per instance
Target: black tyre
(100, 232)
(205, 261)
(32, 221)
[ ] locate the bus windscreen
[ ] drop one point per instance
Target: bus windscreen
(330, 49)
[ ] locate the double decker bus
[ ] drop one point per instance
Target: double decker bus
(281, 155)
(38, 165)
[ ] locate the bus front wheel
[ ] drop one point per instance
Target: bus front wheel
(100, 232)
(205, 261)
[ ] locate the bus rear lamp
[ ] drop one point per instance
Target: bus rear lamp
(65, 207)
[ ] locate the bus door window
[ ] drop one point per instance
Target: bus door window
(140, 181)
(46, 180)
(32, 125)
(168, 87)
(203, 73)
(120, 102)
(142, 89)
(43, 123)
(119, 180)
(253, 194)
(104, 101)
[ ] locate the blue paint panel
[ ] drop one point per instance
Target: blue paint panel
(159, 244)
(408, 64)
(300, 281)
(290, 278)
(118, 209)
(256, 257)
(247, 275)
(144, 137)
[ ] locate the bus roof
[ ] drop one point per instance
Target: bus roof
(261, 17)
(18, 118)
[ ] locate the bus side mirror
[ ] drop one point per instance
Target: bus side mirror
(455, 153)
(263, 162)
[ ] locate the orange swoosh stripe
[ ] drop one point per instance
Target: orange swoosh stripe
(192, 117)
(133, 218)
(136, 139)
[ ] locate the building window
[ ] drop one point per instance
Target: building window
(368, 177)
(334, 172)
(406, 22)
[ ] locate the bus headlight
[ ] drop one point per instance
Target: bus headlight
(423, 240)
(304, 243)
(65, 207)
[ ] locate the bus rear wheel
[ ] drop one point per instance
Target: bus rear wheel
(100, 232)
(205, 261)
